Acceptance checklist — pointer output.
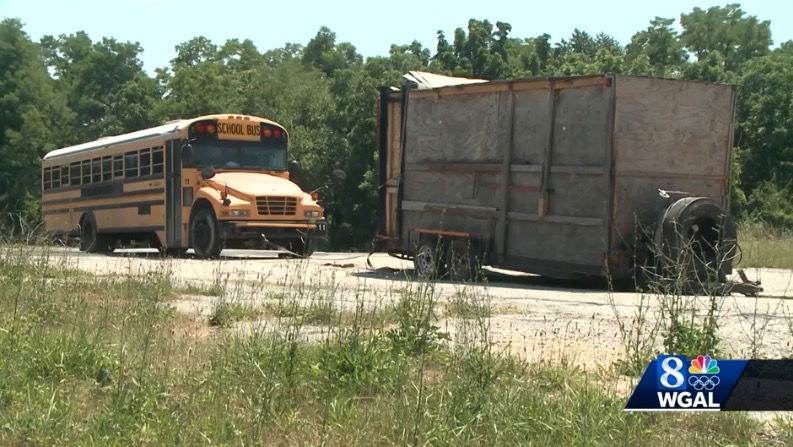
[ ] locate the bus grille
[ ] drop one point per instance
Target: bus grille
(276, 206)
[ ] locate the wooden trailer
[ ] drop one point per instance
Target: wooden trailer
(565, 177)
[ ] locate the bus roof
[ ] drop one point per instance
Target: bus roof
(152, 132)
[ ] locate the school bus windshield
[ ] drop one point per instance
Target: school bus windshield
(245, 155)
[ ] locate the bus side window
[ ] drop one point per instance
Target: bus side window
(56, 177)
(156, 161)
(145, 162)
(74, 173)
(118, 166)
(131, 164)
(107, 168)
(86, 172)
(64, 176)
(47, 179)
(96, 170)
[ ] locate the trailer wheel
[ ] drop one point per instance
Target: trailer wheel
(462, 260)
(695, 241)
(205, 234)
(429, 258)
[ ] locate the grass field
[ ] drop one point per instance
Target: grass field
(107, 361)
(762, 246)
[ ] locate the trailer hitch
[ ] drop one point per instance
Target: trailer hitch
(745, 287)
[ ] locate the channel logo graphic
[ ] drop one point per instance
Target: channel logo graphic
(675, 383)
(708, 368)
(704, 365)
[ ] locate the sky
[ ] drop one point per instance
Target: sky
(159, 25)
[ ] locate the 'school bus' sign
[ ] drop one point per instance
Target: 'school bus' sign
(238, 131)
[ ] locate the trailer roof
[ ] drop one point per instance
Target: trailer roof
(422, 80)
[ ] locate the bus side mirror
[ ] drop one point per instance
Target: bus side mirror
(187, 154)
(294, 165)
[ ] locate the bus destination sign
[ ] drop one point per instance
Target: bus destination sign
(236, 130)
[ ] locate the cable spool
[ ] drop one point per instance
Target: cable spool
(695, 240)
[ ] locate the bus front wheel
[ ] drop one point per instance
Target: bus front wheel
(302, 247)
(205, 234)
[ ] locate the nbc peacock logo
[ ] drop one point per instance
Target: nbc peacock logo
(703, 364)
(706, 368)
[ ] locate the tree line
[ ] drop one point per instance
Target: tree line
(69, 89)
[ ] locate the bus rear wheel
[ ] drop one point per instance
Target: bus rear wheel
(90, 239)
(205, 234)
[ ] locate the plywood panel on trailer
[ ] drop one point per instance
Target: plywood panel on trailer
(668, 135)
(677, 127)
(452, 129)
(457, 187)
(578, 195)
(581, 126)
(393, 165)
(524, 192)
(531, 125)
(576, 244)
(394, 142)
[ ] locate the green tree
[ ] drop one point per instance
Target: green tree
(479, 53)
(661, 45)
(765, 121)
(322, 52)
(102, 81)
(728, 30)
(198, 82)
(33, 117)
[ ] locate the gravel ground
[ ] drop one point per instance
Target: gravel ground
(536, 318)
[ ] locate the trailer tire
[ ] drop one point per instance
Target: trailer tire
(429, 258)
(695, 240)
(463, 261)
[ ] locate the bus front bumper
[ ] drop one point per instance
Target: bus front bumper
(272, 230)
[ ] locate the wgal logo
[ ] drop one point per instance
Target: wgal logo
(686, 388)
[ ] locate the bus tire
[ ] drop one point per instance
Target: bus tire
(205, 234)
(173, 252)
(303, 247)
(90, 239)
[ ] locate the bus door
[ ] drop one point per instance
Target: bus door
(173, 194)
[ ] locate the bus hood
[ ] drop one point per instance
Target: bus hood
(256, 184)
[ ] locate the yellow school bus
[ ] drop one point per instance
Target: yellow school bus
(207, 183)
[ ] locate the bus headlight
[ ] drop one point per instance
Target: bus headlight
(239, 213)
(312, 213)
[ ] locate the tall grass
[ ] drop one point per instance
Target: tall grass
(764, 246)
(106, 361)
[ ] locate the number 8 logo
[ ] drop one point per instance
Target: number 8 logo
(672, 372)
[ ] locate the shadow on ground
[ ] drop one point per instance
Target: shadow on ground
(496, 279)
